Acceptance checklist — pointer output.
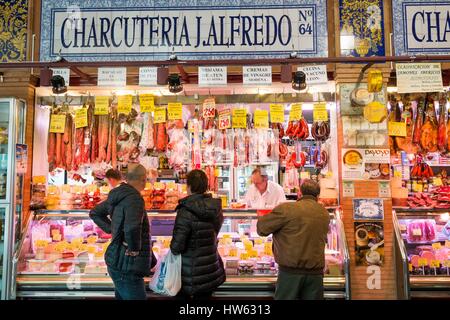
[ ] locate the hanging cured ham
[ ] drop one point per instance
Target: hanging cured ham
(68, 143)
(394, 116)
(448, 131)
(429, 135)
(405, 143)
(419, 122)
(442, 126)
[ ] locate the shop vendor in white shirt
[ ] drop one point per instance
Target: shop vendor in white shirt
(263, 193)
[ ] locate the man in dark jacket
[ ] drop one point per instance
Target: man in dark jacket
(299, 238)
(198, 222)
(123, 215)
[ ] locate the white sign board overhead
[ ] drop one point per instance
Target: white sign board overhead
(423, 27)
(212, 76)
(315, 74)
(143, 30)
(419, 77)
(112, 77)
(148, 76)
(257, 75)
(63, 72)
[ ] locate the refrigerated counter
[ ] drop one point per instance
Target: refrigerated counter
(61, 256)
(422, 252)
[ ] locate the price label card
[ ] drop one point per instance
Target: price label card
(397, 174)
(447, 244)
(304, 175)
(423, 262)
(232, 252)
(81, 118)
(397, 129)
(124, 104)
(209, 108)
(160, 114)
(175, 110)
(39, 180)
(224, 119)
(58, 123)
(276, 113)
(436, 245)
(239, 118)
(147, 102)
(296, 112)
(261, 119)
(101, 105)
(320, 112)
(435, 264)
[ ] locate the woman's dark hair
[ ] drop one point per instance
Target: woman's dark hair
(197, 181)
(113, 174)
(310, 188)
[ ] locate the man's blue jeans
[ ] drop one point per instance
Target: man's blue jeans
(127, 286)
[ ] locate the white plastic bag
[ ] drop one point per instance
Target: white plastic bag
(167, 278)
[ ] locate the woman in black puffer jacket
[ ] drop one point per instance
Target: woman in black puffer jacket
(198, 222)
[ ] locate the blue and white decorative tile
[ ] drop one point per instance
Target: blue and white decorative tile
(307, 20)
(13, 26)
(362, 23)
(415, 28)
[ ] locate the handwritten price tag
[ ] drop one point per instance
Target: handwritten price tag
(276, 113)
(160, 114)
(320, 112)
(397, 129)
(209, 108)
(435, 264)
(423, 262)
(39, 180)
(447, 244)
(147, 102)
(296, 112)
(101, 105)
(239, 118)
(436, 246)
(261, 119)
(58, 123)
(81, 118)
(224, 119)
(175, 110)
(124, 104)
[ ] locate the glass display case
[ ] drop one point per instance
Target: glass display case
(423, 240)
(13, 160)
(62, 256)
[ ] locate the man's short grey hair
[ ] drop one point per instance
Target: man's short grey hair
(136, 172)
(261, 171)
(310, 188)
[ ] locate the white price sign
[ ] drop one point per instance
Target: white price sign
(112, 77)
(419, 77)
(212, 76)
(257, 75)
(148, 76)
(63, 72)
(316, 74)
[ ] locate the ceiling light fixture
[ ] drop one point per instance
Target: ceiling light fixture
(174, 82)
(299, 81)
(58, 84)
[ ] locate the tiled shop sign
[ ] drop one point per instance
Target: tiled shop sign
(421, 27)
(152, 30)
